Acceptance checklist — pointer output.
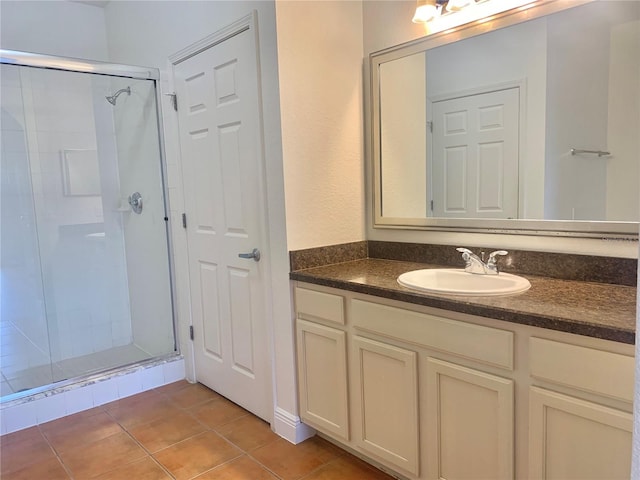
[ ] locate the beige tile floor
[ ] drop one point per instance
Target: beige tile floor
(179, 431)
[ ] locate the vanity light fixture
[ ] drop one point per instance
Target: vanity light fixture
(457, 5)
(427, 10)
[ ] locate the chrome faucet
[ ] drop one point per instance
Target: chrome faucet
(475, 264)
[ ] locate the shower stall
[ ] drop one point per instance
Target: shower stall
(85, 274)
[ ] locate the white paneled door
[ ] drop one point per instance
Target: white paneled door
(221, 149)
(475, 155)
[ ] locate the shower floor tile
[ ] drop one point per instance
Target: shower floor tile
(5, 389)
(105, 359)
(34, 377)
(102, 444)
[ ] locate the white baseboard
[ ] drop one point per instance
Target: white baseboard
(290, 427)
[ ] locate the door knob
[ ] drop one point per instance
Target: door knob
(255, 254)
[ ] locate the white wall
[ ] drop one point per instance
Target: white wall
(624, 81)
(53, 27)
(403, 137)
(576, 113)
(320, 68)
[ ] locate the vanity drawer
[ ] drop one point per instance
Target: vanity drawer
(605, 373)
(312, 305)
(476, 342)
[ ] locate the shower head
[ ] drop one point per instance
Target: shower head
(112, 99)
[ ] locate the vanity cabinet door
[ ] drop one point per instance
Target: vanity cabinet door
(386, 394)
(574, 438)
(470, 423)
(322, 375)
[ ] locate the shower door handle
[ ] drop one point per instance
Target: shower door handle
(255, 254)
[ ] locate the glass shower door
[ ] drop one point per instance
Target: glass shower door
(25, 357)
(85, 262)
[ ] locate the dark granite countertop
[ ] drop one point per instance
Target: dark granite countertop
(598, 310)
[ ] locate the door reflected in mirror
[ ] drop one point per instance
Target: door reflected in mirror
(483, 128)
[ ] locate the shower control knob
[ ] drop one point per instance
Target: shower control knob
(255, 254)
(135, 200)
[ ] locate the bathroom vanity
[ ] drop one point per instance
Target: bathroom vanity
(536, 385)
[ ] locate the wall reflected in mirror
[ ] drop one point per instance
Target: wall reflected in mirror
(483, 128)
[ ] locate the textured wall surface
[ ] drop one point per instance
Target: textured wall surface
(320, 70)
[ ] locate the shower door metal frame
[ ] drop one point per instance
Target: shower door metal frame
(52, 62)
(27, 59)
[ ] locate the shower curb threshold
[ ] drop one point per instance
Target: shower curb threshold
(84, 393)
(88, 380)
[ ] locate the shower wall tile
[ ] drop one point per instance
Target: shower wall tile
(151, 377)
(50, 408)
(12, 103)
(121, 333)
(129, 384)
(18, 417)
(101, 336)
(5, 388)
(80, 340)
(60, 114)
(78, 399)
(173, 371)
(104, 391)
(13, 141)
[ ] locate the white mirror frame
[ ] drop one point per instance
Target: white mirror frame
(586, 229)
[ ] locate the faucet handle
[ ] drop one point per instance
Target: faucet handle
(491, 263)
(464, 250)
(493, 255)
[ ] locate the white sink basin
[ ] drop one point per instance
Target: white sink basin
(453, 281)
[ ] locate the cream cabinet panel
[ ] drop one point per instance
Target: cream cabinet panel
(571, 438)
(386, 392)
(319, 305)
(605, 373)
(488, 345)
(470, 423)
(322, 372)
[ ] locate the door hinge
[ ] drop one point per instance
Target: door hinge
(430, 126)
(191, 332)
(184, 220)
(432, 205)
(174, 100)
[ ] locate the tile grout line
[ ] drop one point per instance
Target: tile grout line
(136, 413)
(216, 431)
(144, 449)
(187, 411)
(55, 452)
(149, 454)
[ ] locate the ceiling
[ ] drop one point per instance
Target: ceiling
(93, 3)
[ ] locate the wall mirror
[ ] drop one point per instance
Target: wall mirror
(527, 122)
